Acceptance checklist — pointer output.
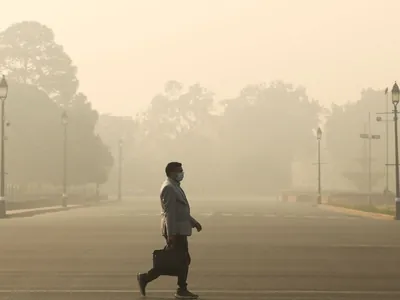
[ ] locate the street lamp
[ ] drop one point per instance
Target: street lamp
(3, 96)
(64, 119)
(120, 143)
(319, 136)
(395, 101)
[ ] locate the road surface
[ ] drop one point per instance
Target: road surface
(249, 249)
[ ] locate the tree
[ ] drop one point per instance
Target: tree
(90, 160)
(34, 145)
(248, 148)
(349, 152)
(29, 54)
(170, 118)
(42, 83)
(103, 161)
(177, 126)
(34, 137)
(263, 131)
(111, 129)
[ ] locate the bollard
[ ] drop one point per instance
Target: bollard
(3, 209)
(397, 209)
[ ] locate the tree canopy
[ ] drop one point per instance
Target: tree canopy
(35, 141)
(246, 144)
(29, 54)
(42, 84)
(246, 147)
(348, 150)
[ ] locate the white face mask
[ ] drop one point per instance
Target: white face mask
(180, 176)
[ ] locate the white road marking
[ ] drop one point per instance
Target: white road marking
(228, 292)
(148, 214)
(237, 214)
(340, 218)
(209, 214)
(364, 246)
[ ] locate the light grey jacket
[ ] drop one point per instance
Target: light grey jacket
(176, 218)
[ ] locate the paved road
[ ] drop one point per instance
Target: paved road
(249, 249)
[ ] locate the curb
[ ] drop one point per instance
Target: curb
(39, 209)
(49, 209)
(355, 212)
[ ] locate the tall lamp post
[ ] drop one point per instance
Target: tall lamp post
(3, 96)
(387, 143)
(119, 170)
(387, 120)
(64, 119)
(395, 101)
(319, 136)
(387, 165)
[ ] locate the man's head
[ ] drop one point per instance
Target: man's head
(174, 171)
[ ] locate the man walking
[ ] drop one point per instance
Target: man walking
(177, 224)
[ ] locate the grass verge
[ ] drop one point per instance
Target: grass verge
(385, 210)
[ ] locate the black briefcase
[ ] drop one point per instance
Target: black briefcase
(168, 261)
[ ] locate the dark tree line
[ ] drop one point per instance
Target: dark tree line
(349, 152)
(42, 83)
(244, 145)
(247, 144)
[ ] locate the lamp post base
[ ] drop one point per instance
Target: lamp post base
(3, 209)
(319, 199)
(397, 209)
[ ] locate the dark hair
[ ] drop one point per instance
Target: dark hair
(171, 167)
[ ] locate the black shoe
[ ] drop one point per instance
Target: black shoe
(142, 283)
(185, 294)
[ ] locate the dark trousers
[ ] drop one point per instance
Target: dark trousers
(181, 243)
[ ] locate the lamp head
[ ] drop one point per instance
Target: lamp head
(3, 88)
(395, 94)
(319, 133)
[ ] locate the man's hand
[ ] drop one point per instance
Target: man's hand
(198, 226)
(171, 240)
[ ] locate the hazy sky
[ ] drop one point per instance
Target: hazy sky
(125, 50)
